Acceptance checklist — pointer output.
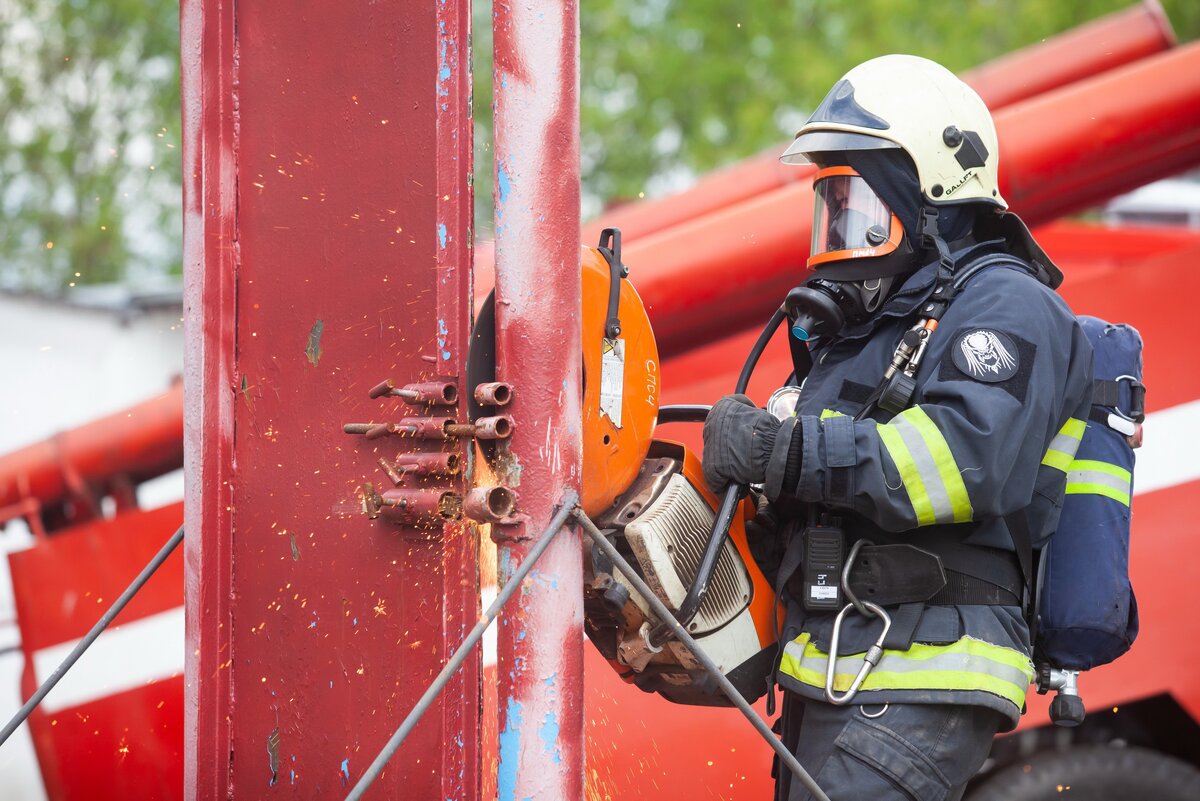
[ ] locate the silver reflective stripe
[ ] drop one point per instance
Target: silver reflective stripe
(967, 665)
(1064, 443)
(1087, 477)
(896, 662)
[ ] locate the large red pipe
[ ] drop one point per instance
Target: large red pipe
(1103, 44)
(1062, 151)
(142, 441)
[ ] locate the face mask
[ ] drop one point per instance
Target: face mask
(822, 307)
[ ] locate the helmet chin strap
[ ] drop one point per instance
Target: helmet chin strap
(931, 240)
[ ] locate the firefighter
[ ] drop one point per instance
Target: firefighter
(958, 451)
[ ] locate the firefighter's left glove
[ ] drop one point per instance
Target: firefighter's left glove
(739, 439)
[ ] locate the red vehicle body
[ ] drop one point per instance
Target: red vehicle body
(271, 712)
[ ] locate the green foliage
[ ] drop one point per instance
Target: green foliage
(89, 104)
(89, 141)
(673, 88)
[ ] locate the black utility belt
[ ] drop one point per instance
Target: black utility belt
(947, 572)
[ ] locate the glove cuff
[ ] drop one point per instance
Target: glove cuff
(779, 465)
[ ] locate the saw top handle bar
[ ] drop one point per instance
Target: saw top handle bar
(729, 501)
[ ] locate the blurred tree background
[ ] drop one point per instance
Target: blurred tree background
(89, 142)
(90, 132)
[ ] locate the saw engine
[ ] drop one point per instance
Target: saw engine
(662, 524)
(649, 498)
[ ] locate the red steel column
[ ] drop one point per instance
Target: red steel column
(327, 236)
(540, 639)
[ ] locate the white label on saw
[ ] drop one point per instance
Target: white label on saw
(612, 378)
(823, 593)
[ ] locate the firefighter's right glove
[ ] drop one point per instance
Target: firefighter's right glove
(739, 439)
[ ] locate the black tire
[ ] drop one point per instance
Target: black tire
(1093, 773)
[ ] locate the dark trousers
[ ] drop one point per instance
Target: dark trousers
(897, 752)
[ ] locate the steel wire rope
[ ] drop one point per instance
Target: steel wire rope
(91, 636)
(569, 499)
(660, 609)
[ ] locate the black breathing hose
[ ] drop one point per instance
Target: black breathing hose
(725, 510)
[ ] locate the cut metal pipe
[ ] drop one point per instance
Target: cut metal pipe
(500, 427)
(439, 464)
(421, 464)
(417, 427)
(442, 393)
(494, 393)
(420, 505)
(489, 504)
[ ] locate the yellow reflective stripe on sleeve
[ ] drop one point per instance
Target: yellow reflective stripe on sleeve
(827, 413)
(909, 475)
(1064, 445)
(1088, 477)
(931, 476)
(966, 665)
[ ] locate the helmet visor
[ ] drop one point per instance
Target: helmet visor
(850, 221)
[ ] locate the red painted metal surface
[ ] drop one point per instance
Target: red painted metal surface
(141, 442)
(113, 728)
(538, 351)
(1109, 134)
(327, 211)
(207, 59)
(1080, 53)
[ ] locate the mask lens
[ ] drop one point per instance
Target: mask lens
(850, 217)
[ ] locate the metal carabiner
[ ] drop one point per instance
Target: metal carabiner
(870, 659)
(850, 560)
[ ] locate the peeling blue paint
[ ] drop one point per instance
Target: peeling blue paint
(443, 71)
(549, 734)
(520, 635)
(550, 680)
(510, 751)
(503, 184)
(442, 235)
(345, 771)
(355, 621)
(442, 334)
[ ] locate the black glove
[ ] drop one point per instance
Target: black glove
(765, 537)
(738, 440)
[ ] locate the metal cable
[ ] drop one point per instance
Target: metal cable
(569, 499)
(91, 636)
(663, 613)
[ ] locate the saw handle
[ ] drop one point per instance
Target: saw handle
(725, 511)
(683, 413)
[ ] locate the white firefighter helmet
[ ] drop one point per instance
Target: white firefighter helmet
(917, 105)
